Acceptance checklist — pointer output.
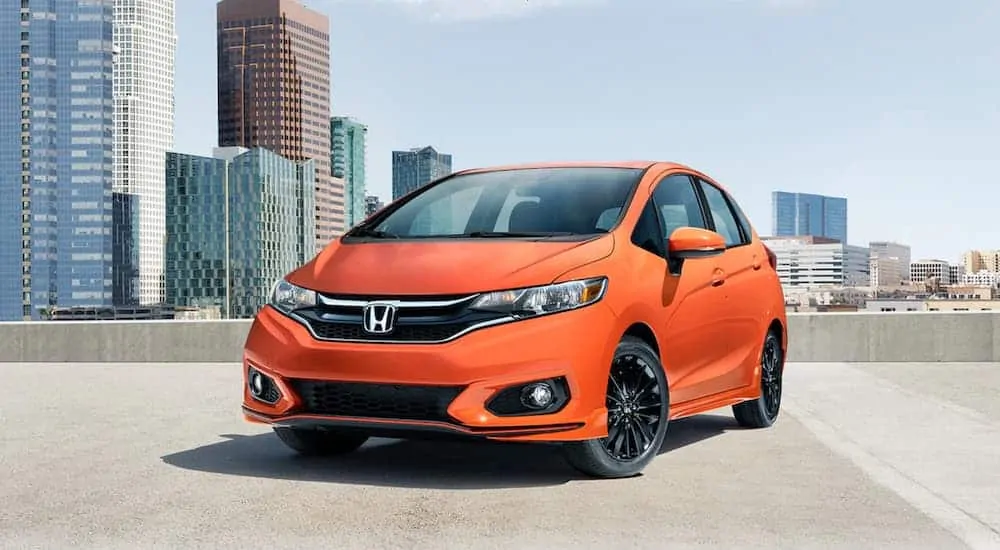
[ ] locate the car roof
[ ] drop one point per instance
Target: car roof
(641, 164)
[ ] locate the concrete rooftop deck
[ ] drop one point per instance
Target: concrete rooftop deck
(866, 455)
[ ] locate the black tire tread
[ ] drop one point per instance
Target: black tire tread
(320, 442)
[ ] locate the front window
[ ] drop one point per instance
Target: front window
(530, 202)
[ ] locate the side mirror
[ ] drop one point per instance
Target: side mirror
(689, 243)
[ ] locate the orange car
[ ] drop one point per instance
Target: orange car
(581, 303)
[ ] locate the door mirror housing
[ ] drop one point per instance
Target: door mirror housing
(689, 243)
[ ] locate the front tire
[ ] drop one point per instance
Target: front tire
(320, 442)
(638, 402)
(763, 411)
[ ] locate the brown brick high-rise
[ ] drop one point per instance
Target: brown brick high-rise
(274, 91)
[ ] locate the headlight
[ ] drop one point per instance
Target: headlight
(539, 300)
(287, 297)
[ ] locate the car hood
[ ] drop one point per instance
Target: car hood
(444, 267)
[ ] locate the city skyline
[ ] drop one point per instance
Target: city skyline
(885, 126)
(274, 90)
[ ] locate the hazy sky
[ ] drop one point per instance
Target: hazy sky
(894, 104)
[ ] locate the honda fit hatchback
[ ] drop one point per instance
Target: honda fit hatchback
(584, 304)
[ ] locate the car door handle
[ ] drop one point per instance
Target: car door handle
(756, 262)
(718, 277)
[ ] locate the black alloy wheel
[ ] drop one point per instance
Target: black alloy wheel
(638, 402)
(770, 377)
(634, 406)
(763, 411)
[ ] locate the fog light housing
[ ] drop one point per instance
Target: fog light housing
(530, 398)
(262, 387)
(537, 396)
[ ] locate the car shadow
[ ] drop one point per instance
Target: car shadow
(416, 463)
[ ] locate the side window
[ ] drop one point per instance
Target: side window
(725, 222)
(646, 234)
(678, 204)
(745, 225)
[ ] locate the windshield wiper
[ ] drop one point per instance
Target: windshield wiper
(375, 234)
(502, 234)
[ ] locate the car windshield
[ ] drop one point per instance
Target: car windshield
(517, 203)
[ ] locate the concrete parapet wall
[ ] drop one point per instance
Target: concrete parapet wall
(833, 337)
(123, 341)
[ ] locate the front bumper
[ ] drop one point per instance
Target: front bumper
(417, 390)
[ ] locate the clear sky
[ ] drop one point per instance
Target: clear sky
(894, 104)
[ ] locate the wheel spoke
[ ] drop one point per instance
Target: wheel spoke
(616, 437)
(633, 433)
(645, 386)
(645, 433)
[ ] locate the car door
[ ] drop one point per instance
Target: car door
(691, 299)
(741, 264)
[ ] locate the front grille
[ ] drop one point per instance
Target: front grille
(414, 322)
(329, 330)
(396, 401)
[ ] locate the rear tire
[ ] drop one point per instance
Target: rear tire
(638, 402)
(320, 442)
(763, 411)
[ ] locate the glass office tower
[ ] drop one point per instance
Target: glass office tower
(347, 160)
(236, 223)
(805, 214)
(56, 165)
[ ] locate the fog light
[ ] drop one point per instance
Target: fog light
(256, 384)
(537, 396)
(546, 396)
(262, 387)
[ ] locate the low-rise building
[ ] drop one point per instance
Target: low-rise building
(819, 262)
(932, 304)
(924, 270)
(889, 264)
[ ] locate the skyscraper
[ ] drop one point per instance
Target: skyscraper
(274, 91)
(416, 168)
(805, 214)
(56, 162)
(235, 225)
(347, 158)
(146, 45)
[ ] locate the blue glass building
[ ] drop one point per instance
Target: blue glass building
(56, 124)
(348, 139)
(805, 214)
(236, 223)
(416, 168)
